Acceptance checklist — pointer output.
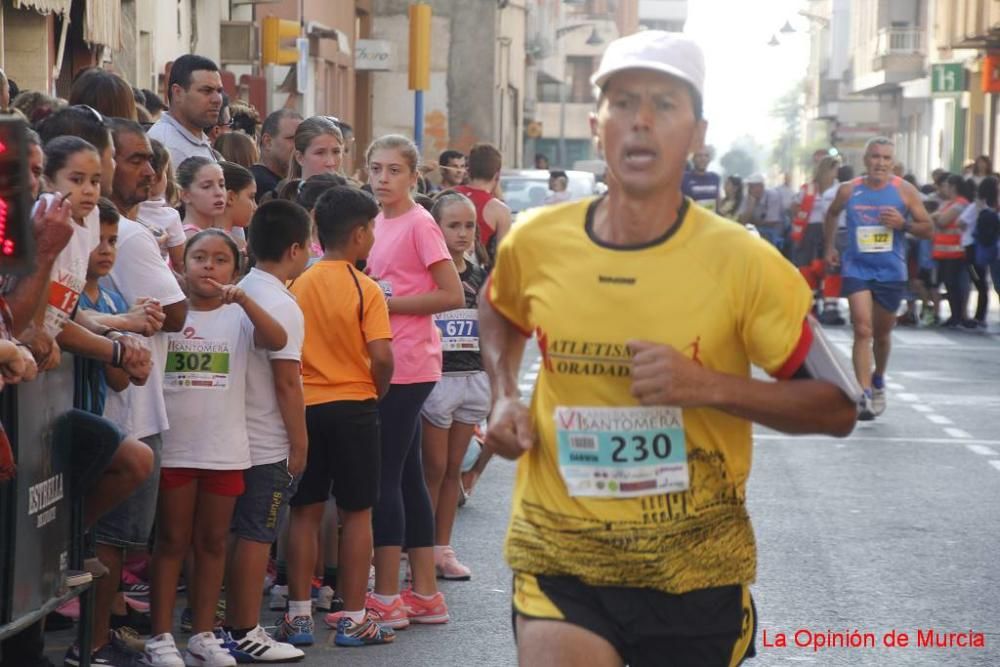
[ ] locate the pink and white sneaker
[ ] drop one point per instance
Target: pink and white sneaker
(447, 565)
(392, 615)
(433, 611)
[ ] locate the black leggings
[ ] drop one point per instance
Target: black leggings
(403, 514)
(978, 275)
(954, 277)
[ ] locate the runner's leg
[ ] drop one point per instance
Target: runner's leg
(861, 305)
(883, 322)
(544, 643)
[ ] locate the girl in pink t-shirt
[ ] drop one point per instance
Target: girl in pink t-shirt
(412, 264)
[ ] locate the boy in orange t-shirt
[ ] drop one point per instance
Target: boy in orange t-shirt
(347, 365)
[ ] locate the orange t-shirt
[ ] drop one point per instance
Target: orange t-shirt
(344, 310)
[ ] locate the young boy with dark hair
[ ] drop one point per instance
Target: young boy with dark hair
(279, 240)
(347, 365)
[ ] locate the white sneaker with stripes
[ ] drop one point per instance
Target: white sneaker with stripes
(258, 646)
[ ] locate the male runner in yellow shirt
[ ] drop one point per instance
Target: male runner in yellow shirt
(629, 536)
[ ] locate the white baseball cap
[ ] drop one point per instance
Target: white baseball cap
(755, 179)
(658, 50)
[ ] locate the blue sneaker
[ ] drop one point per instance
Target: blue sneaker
(366, 633)
(187, 618)
(296, 631)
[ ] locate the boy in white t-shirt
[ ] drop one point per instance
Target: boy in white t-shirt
(276, 426)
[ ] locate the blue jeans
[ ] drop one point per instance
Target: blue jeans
(129, 525)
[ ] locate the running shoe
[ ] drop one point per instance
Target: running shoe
(324, 599)
(866, 412)
(418, 610)
(878, 395)
(133, 585)
(132, 619)
(111, 654)
(75, 578)
(187, 617)
(296, 631)
(206, 650)
(278, 598)
(137, 603)
(366, 633)
(259, 647)
(447, 565)
(392, 615)
(128, 637)
(161, 651)
(927, 318)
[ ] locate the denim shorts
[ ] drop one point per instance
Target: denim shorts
(129, 525)
(262, 508)
(92, 441)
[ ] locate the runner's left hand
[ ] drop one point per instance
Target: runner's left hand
(663, 376)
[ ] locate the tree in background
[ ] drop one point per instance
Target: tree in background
(738, 162)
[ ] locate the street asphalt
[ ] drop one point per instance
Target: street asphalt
(895, 529)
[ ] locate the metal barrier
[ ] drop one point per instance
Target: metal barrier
(41, 522)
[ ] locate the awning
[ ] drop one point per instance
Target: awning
(45, 6)
(103, 23)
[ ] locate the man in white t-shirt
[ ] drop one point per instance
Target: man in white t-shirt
(275, 414)
(140, 275)
(195, 97)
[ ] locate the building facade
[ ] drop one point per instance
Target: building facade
(565, 44)
(477, 75)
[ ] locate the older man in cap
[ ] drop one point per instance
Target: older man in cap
(629, 536)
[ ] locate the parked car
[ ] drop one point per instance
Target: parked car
(526, 188)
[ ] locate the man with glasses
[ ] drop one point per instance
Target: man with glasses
(194, 96)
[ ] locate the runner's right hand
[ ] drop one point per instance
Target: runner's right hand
(832, 258)
(510, 433)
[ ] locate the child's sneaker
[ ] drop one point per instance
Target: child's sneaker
(206, 650)
(366, 633)
(161, 651)
(324, 599)
(431, 611)
(278, 598)
(187, 618)
(447, 565)
(392, 615)
(258, 646)
(296, 631)
(133, 585)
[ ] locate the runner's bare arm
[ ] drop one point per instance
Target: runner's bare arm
(832, 213)
(663, 376)
(510, 433)
(497, 214)
(920, 223)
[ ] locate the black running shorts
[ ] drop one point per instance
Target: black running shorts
(713, 627)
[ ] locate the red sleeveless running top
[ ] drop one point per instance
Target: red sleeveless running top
(480, 198)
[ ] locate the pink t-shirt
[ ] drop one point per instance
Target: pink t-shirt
(405, 248)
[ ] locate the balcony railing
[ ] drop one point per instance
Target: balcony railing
(900, 41)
